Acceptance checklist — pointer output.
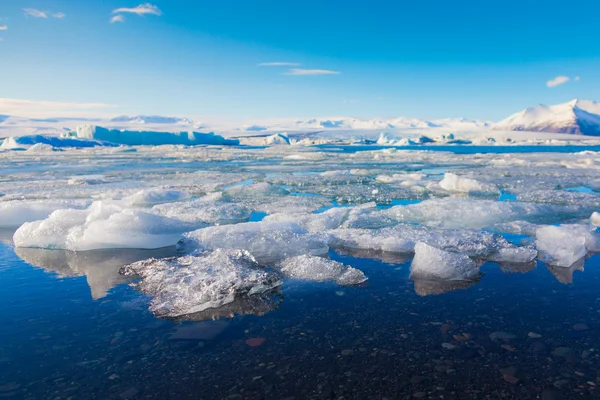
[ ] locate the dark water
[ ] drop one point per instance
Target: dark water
(382, 340)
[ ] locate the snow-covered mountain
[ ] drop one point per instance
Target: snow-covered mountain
(349, 123)
(151, 119)
(578, 117)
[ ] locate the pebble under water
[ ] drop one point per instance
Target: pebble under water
(529, 332)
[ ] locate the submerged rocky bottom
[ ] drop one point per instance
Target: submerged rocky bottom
(521, 332)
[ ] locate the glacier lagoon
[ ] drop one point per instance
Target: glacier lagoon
(314, 272)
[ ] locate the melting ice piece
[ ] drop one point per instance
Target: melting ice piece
(261, 189)
(191, 284)
(430, 263)
(150, 197)
(14, 213)
(559, 246)
(268, 242)
(455, 183)
(104, 225)
(320, 269)
(329, 219)
(515, 255)
(595, 218)
(204, 212)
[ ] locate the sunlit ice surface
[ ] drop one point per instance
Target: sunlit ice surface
(306, 272)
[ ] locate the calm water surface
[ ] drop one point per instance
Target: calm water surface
(72, 328)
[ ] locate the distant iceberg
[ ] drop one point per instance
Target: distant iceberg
(142, 138)
(93, 136)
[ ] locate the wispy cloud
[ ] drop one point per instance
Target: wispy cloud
(142, 9)
(278, 64)
(300, 72)
(117, 18)
(3, 27)
(559, 80)
(32, 108)
(35, 13)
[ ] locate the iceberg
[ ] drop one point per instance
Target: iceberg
(28, 141)
(144, 138)
(194, 283)
(564, 245)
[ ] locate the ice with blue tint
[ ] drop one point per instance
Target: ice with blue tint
(288, 208)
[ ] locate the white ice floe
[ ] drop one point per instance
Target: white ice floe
(403, 238)
(431, 263)
(190, 284)
(104, 225)
(595, 219)
(14, 213)
(150, 197)
(320, 269)
(455, 183)
(564, 245)
(268, 242)
(205, 212)
(254, 190)
(514, 255)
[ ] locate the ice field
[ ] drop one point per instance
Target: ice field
(226, 244)
(288, 207)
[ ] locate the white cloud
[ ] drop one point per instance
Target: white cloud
(576, 78)
(32, 108)
(117, 18)
(278, 64)
(300, 71)
(3, 27)
(142, 9)
(559, 80)
(32, 12)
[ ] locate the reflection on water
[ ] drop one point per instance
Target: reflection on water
(386, 257)
(520, 268)
(565, 275)
(256, 304)
(100, 267)
(431, 287)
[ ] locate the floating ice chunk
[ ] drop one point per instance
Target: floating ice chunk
(150, 197)
(194, 283)
(466, 213)
(204, 212)
(430, 263)
(559, 247)
(268, 242)
(399, 178)
(455, 183)
(14, 213)
(595, 218)
(329, 219)
(320, 269)
(261, 189)
(514, 255)
(403, 237)
(104, 225)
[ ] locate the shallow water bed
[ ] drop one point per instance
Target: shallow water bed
(520, 331)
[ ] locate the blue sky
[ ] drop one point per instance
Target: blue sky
(461, 58)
